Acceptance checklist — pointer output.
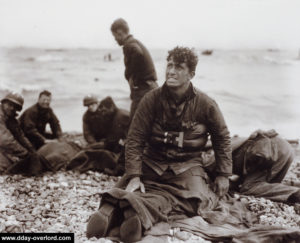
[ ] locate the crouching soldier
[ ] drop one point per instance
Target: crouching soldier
(104, 128)
(34, 120)
(104, 123)
(16, 153)
(260, 163)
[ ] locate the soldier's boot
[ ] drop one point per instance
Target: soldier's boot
(131, 228)
(102, 221)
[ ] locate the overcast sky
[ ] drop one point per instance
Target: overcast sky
(158, 23)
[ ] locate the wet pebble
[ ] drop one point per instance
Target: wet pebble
(63, 201)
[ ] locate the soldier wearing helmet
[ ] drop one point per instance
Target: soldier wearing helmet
(105, 129)
(104, 122)
(34, 120)
(14, 146)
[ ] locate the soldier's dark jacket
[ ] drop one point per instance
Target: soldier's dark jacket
(138, 63)
(33, 122)
(165, 135)
(111, 128)
(13, 143)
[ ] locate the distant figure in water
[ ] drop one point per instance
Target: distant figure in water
(34, 120)
(107, 57)
(14, 146)
(139, 68)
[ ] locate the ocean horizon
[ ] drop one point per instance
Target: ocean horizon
(255, 89)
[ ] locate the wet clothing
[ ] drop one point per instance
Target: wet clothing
(196, 117)
(138, 63)
(187, 193)
(13, 144)
(109, 127)
(262, 164)
(139, 70)
(164, 148)
(33, 122)
(105, 130)
(137, 95)
(91, 123)
(58, 154)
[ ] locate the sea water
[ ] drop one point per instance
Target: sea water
(255, 89)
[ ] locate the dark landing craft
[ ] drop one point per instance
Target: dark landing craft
(207, 52)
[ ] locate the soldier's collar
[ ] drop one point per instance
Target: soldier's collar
(189, 94)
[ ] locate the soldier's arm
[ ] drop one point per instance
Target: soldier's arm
(138, 134)
(220, 138)
(30, 127)
(87, 133)
(19, 135)
(9, 144)
(135, 57)
(55, 125)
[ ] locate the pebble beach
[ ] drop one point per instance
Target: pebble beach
(63, 202)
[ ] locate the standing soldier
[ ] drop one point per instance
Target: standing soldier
(139, 68)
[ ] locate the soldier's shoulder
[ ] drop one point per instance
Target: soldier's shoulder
(202, 96)
(30, 110)
(33, 107)
(133, 46)
(153, 94)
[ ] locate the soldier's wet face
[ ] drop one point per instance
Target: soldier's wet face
(93, 107)
(177, 74)
(9, 108)
(119, 36)
(106, 110)
(44, 101)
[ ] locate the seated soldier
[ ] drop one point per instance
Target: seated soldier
(104, 124)
(14, 146)
(105, 129)
(35, 118)
(164, 171)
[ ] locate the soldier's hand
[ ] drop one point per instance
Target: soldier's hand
(221, 185)
(134, 184)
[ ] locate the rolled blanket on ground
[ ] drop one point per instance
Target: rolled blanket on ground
(58, 154)
(32, 165)
(230, 221)
(93, 159)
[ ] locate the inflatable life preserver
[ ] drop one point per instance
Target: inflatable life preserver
(194, 138)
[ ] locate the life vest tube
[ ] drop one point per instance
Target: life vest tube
(190, 139)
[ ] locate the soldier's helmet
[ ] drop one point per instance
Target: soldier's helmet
(89, 99)
(15, 98)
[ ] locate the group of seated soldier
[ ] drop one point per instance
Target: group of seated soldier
(104, 127)
(21, 138)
